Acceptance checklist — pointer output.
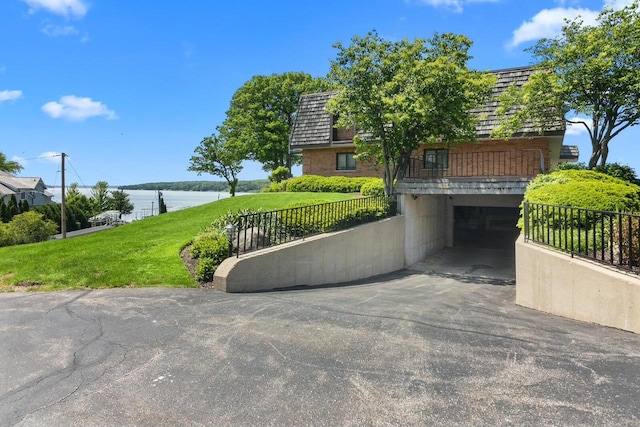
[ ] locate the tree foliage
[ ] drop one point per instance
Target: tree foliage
(9, 166)
(402, 94)
(261, 115)
(100, 199)
(121, 203)
(590, 70)
(27, 227)
(218, 156)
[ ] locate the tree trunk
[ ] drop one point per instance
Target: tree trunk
(232, 186)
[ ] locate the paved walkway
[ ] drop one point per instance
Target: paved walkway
(412, 348)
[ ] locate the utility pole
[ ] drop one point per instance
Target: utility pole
(63, 205)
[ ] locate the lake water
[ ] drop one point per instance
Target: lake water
(145, 202)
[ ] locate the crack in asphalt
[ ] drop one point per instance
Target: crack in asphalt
(77, 364)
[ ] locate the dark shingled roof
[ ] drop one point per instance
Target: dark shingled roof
(570, 152)
(313, 124)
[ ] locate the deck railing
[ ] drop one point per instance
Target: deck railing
(611, 238)
(509, 163)
(264, 229)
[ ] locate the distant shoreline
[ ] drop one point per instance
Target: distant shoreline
(254, 186)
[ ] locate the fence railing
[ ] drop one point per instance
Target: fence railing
(512, 163)
(612, 238)
(264, 229)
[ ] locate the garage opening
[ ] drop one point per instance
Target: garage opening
(485, 227)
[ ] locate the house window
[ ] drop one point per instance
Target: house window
(22, 196)
(436, 159)
(341, 134)
(345, 162)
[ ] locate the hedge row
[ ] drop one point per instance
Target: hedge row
(584, 189)
(324, 184)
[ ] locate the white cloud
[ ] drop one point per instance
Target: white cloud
(548, 23)
(50, 157)
(455, 5)
(10, 95)
(617, 4)
(577, 127)
(77, 109)
(59, 30)
(23, 162)
(76, 8)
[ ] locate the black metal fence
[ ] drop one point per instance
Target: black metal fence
(264, 229)
(515, 163)
(608, 237)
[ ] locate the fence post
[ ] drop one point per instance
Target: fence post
(526, 221)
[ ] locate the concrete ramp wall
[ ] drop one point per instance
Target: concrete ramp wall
(555, 283)
(361, 252)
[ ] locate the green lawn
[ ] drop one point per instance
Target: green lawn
(140, 254)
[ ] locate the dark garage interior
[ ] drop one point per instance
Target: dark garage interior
(485, 227)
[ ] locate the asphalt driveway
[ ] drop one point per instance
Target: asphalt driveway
(411, 348)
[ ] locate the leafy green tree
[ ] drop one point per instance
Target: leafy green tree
(121, 203)
(402, 94)
(29, 227)
(100, 199)
(218, 156)
(23, 206)
(9, 166)
(4, 211)
(589, 70)
(261, 116)
(12, 206)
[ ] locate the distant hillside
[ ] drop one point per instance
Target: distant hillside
(221, 186)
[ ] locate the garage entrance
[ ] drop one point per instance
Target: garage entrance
(485, 227)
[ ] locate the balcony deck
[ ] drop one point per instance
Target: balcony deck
(477, 172)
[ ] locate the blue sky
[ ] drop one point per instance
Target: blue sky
(128, 89)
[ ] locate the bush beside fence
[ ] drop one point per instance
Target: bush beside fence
(264, 229)
(608, 237)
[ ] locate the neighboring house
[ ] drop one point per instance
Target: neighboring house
(467, 195)
(32, 190)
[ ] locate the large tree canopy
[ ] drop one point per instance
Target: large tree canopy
(262, 112)
(218, 156)
(590, 70)
(399, 95)
(9, 166)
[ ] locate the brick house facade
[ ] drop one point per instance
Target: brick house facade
(466, 195)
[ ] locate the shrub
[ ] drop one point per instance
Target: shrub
(28, 227)
(327, 184)
(627, 252)
(212, 245)
(305, 220)
(280, 174)
(585, 189)
(276, 187)
(205, 270)
(375, 187)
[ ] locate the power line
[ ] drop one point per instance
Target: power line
(76, 172)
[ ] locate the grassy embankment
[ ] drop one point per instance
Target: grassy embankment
(140, 254)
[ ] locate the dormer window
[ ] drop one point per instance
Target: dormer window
(341, 134)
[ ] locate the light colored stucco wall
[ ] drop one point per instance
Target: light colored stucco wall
(555, 283)
(426, 225)
(361, 252)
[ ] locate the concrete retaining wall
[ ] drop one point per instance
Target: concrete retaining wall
(364, 251)
(555, 283)
(426, 226)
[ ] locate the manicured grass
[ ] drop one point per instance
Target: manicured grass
(140, 254)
